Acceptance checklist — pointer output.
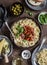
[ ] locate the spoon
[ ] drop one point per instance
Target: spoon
(42, 43)
(6, 58)
(9, 29)
(4, 53)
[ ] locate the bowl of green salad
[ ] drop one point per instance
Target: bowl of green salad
(42, 18)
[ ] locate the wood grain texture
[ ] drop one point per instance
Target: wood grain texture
(5, 31)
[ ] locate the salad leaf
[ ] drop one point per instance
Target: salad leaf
(46, 18)
(19, 29)
(41, 19)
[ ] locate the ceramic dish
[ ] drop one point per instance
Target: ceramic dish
(40, 7)
(9, 43)
(18, 61)
(36, 24)
(34, 58)
(42, 18)
(16, 9)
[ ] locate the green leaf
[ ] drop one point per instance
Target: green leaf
(17, 35)
(24, 40)
(20, 30)
(41, 19)
(46, 18)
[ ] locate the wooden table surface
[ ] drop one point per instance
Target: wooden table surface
(5, 31)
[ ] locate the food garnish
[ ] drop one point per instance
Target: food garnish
(29, 12)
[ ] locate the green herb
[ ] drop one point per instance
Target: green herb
(29, 12)
(43, 18)
(24, 40)
(46, 18)
(20, 30)
(17, 35)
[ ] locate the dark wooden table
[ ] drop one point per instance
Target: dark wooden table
(5, 31)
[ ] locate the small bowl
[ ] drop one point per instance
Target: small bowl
(16, 3)
(10, 44)
(42, 13)
(17, 60)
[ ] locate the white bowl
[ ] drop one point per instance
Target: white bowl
(39, 16)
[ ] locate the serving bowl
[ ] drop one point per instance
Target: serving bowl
(15, 20)
(34, 57)
(40, 7)
(9, 42)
